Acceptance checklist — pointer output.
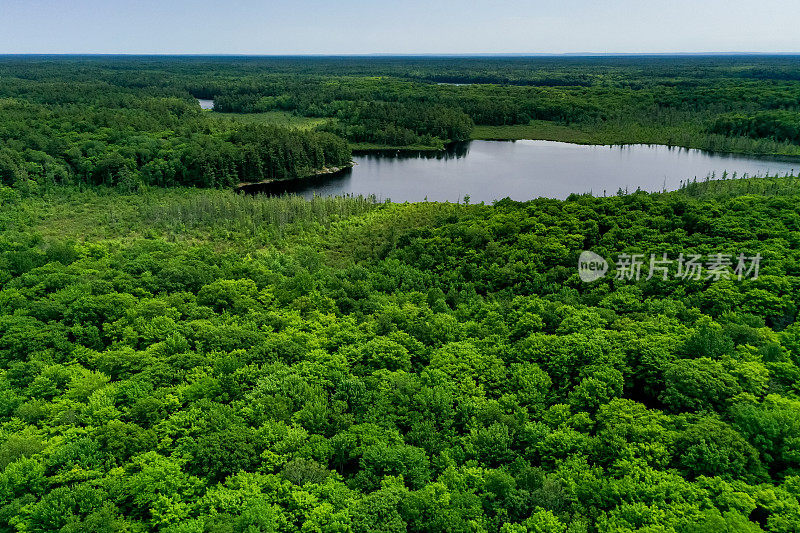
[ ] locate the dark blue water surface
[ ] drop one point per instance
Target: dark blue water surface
(522, 170)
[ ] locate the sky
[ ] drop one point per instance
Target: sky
(398, 27)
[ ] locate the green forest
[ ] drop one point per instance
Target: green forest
(201, 361)
(132, 121)
(179, 357)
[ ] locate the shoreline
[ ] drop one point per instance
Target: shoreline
(432, 152)
(325, 171)
(564, 134)
(559, 133)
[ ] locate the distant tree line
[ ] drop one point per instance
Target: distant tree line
(127, 121)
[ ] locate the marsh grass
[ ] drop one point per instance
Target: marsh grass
(273, 118)
(180, 214)
(251, 214)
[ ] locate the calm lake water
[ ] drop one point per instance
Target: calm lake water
(522, 170)
(206, 104)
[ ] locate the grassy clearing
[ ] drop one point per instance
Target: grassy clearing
(274, 118)
(540, 130)
(221, 217)
(369, 147)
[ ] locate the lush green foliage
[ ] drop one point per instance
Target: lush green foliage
(187, 360)
(776, 125)
(133, 121)
(401, 124)
(208, 362)
(90, 133)
(600, 100)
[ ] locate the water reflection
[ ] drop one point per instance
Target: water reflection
(453, 151)
(304, 186)
(522, 170)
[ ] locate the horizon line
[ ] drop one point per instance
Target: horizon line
(399, 55)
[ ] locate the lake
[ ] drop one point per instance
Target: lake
(522, 170)
(205, 104)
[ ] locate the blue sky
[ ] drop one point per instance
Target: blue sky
(410, 26)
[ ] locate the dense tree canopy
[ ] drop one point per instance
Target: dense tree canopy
(90, 133)
(340, 365)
